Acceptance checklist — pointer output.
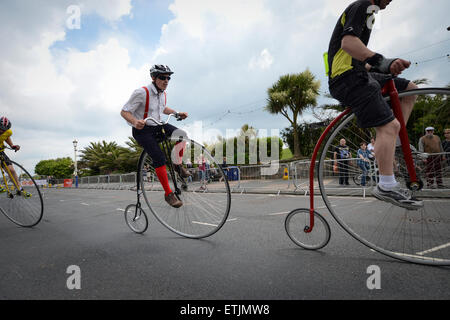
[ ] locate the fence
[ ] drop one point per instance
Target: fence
(255, 178)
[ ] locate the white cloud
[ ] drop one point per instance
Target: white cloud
(110, 10)
(49, 98)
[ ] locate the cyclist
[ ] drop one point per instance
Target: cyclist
(356, 77)
(5, 136)
(151, 101)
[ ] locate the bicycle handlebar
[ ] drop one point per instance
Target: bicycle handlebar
(6, 147)
(160, 123)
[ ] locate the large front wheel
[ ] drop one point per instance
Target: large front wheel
(419, 236)
(205, 194)
(24, 205)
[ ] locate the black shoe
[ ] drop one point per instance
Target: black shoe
(399, 197)
(181, 171)
(173, 201)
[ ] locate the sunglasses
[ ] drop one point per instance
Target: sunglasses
(163, 78)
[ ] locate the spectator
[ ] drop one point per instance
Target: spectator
(202, 170)
(341, 156)
(363, 161)
(432, 145)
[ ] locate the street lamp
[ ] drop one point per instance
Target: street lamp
(75, 173)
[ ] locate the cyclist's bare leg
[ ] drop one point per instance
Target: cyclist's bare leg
(407, 103)
(385, 147)
(13, 175)
(386, 133)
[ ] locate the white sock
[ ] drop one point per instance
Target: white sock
(387, 182)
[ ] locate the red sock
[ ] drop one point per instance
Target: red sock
(161, 172)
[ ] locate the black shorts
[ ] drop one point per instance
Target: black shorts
(361, 91)
(7, 161)
(150, 137)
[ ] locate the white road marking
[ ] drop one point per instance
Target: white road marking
(84, 204)
(204, 223)
(277, 213)
(118, 209)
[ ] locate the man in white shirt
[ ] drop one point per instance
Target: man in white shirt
(151, 101)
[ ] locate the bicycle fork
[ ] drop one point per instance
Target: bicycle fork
(309, 228)
(414, 184)
(10, 193)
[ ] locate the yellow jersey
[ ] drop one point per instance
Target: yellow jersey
(3, 137)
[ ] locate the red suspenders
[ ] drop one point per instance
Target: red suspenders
(147, 101)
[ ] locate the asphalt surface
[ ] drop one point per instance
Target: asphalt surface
(250, 258)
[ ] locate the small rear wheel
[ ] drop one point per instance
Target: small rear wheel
(297, 224)
(136, 218)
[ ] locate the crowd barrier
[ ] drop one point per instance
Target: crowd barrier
(278, 178)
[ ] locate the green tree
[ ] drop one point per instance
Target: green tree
(129, 157)
(248, 135)
(60, 168)
(292, 95)
(428, 111)
(102, 157)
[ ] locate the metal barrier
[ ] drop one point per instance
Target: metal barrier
(254, 178)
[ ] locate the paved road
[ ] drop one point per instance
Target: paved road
(250, 258)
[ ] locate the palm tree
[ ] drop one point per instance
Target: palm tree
(102, 157)
(129, 157)
(291, 95)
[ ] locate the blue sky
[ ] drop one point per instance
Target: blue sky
(57, 84)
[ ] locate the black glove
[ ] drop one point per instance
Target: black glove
(380, 64)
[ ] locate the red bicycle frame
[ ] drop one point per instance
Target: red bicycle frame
(388, 89)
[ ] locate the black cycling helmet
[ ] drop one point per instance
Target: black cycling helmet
(5, 124)
(159, 69)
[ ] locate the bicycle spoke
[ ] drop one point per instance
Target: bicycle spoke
(25, 207)
(205, 204)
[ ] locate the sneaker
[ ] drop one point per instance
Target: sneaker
(173, 201)
(23, 193)
(399, 197)
(181, 171)
(2, 190)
